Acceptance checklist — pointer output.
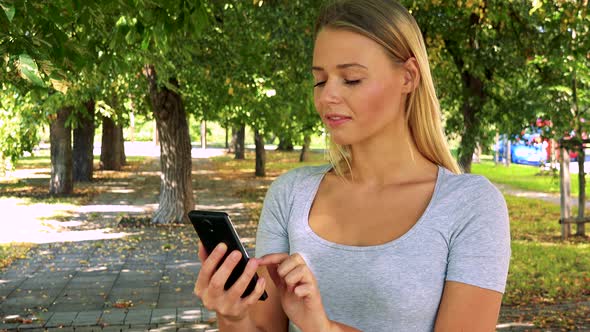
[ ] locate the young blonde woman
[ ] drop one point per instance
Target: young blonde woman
(389, 236)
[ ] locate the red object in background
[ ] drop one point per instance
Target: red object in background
(573, 154)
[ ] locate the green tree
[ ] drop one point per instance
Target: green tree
(476, 50)
(563, 67)
(160, 38)
(260, 76)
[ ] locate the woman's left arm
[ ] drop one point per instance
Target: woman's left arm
(478, 261)
(465, 307)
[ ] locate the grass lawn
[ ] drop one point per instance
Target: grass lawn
(277, 162)
(523, 177)
(544, 269)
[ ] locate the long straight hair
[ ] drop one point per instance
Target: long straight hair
(389, 24)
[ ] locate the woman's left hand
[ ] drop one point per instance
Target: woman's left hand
(298, 288)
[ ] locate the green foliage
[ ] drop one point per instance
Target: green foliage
(479, 65)
(260, 75)
(249, 61)
(19, 121)
(562, 63)
(508, 63)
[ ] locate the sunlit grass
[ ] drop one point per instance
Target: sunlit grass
(34, 162)
(276, 161)
(534, 219)
(544, 268)
(548, 273)
(523, 177)
(42, 159)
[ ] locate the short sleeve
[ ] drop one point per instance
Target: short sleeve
(479, 252)
(272, 235)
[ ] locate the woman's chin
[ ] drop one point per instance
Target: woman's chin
(342, 141)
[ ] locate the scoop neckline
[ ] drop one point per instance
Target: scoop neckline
(394, 242)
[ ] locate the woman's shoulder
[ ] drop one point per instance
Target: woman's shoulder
(474, 206)
(470, 185)
(285, 189)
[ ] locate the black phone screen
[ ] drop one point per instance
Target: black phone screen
(216, 227)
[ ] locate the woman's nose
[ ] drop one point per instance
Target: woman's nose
(329, 93)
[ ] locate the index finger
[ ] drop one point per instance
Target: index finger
(271, 259)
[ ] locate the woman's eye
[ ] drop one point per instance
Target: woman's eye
(319, 84)
(352, 82)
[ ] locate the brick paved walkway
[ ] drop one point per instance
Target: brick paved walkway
(142, 278)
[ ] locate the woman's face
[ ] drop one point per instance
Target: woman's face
(359, 92)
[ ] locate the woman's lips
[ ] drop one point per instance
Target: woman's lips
(336, 120)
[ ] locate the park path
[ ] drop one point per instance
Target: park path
(127, 278)
(547, 197)
(102, 277)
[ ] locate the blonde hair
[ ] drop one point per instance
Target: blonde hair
(389, 24)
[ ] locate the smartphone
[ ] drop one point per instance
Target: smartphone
(216, 227)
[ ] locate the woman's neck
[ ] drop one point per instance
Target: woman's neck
(389, 160)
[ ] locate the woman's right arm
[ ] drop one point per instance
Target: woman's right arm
(233, 312)
(268, 316)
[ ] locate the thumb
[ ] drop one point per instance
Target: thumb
(202, 252)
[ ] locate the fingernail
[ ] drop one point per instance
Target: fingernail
(236, 255)
(221, 247)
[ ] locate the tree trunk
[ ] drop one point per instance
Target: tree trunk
(580, 229)
(234, 140)
(285, 143)
(61, 182)
(553, 154)
(132, 125)
(472, 104)
(121, 143)
(497, 148)
(565, 190)
(227, 138)
(156, 137)
(239, 147)
(582, 191)
(260, 154)
(176, 191)
(203, 134)
(304, 156)
(84, 145)
(111, 154)
(473, 100)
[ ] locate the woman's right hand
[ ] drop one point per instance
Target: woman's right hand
(209, 286)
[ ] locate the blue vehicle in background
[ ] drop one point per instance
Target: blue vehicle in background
(529, 149)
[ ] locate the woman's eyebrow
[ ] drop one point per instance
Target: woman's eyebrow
(341, 66)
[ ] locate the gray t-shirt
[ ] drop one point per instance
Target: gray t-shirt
(462, 236)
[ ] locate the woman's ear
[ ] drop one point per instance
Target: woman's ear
(411, 75)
